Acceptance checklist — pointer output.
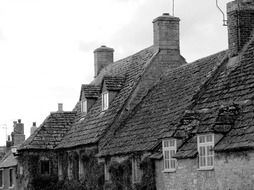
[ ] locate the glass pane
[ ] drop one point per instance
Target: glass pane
(201, 139)
(209, 161)
(166, 144)
(202, 151)
(209, 138)
(166, 154)
(173, 163)
(172, 143)
(209, 150)
(202, 161)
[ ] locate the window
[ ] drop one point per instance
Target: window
(136, 172)
(169, 150)
(205, 151)
(1, 178)
(104, 101)
(84, 106)
(11, 177)
(44, 167)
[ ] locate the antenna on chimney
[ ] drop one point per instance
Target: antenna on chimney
(224, 20)
(173, 7)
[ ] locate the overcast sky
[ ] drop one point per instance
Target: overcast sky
(46, 46)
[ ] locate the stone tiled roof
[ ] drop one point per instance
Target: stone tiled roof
(90, 129)
(50, 132)
(233, 85)
(161, 109)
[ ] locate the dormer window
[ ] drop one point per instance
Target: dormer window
(205, 151)
(84, 106)
(169, 147)
(105, 101)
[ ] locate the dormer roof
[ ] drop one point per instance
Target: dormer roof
(89, 91)
(112, 83)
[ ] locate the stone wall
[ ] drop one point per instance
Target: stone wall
(232, 171)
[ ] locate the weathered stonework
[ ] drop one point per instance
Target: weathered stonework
(232, 171)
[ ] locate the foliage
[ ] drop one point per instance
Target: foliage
(120, 175)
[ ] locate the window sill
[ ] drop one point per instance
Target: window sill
(169, 171)
(11, 187)
(206, 169)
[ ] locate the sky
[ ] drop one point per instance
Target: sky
(46, 46)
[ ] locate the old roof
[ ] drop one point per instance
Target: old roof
(89, 91)
(90, 129)
(8, 160)
(113, 83)
(162, 107)
(50, 132)
(234, 84)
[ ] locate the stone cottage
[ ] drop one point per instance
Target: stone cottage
(153, 121)
(196, 125)
(8, 164)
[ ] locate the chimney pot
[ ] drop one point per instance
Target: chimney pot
(19, 120)
(60, 107)
(166, 32)
(34, 124)
(103, 56)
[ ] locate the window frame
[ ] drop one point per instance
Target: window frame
(136, 171)
(105, 102)
(11, 177)
(84, 106)
(2, 171)
(168, 148)
(106, 172)
(205, 154)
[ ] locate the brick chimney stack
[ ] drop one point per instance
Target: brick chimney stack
(166, 32)
(103, 56)
(240, 24)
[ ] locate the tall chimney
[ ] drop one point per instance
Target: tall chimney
(166, 32)
(103, 56)
(240, 24)
(60, 107)
(18, 135)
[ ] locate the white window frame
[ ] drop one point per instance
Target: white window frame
(169, 148)
(84, 106)
(2, 178)
(105, 100)
(205, 151)
(136, 172)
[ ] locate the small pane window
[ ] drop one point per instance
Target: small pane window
(205, 151)
(169, 151)
(1, 178)
(84, 106)
(11, 177)
(105, 101)
(44, 167)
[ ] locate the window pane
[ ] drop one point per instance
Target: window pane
(173, 163)
(166, 154)
(11, 177)
(209, 150)
(210, 161)
(172, 142)
(201, 139)
(209, 138)
(202, 161)
(166, 144)
(202, 151)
